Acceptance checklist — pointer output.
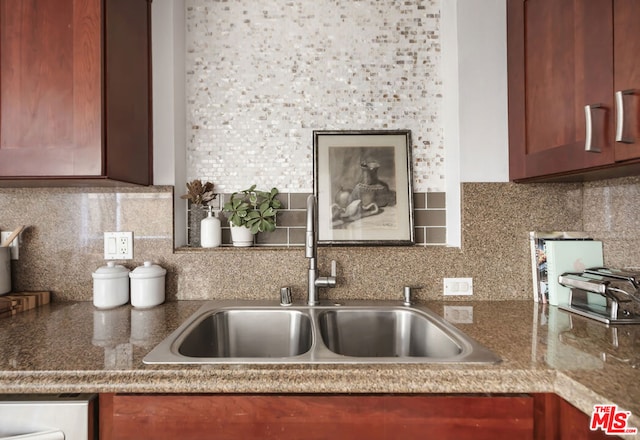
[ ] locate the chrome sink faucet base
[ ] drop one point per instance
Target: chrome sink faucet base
(315, 281)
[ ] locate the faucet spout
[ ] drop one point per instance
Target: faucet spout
(311, 250)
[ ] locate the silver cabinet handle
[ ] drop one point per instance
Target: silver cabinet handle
(620, 115)
(588, 146)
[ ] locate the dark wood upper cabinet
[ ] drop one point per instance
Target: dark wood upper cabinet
(75, 84)
(565, 61)
(627, 78)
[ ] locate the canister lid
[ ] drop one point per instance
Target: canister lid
(148, 270)
(111, 270)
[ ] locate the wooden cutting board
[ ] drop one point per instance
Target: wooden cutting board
(22, 301)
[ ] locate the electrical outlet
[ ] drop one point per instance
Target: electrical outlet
(118, 245)
(458, 286)
(123, 245)
(15, 244)
(459, 314)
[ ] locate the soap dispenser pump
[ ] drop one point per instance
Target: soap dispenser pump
(210, 230)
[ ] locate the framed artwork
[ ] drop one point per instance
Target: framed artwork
(363, 184)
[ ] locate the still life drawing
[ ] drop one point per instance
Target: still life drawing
(363, 184)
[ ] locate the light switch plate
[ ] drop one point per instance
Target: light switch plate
(118, 245)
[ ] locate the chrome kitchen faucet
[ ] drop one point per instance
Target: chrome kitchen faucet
(311, 252)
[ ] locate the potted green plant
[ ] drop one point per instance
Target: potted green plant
(199, 195)
(251, 211)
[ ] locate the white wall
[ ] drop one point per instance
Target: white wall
(474, 73)
(450, 118)
(482, 90)
(169, 121)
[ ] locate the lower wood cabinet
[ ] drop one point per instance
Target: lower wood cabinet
(336, 417)
(315, 417)
(557, 419)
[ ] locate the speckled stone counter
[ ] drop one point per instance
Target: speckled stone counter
(73, 347)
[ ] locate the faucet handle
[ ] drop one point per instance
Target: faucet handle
(329, 281)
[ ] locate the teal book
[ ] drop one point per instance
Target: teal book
(569, 256)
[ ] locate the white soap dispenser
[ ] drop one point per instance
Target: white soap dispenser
(210, 230)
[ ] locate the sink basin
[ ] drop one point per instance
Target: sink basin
(253, 332)
(385, 333)
(247, 334)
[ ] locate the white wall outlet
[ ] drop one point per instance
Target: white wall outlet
(118, 245)
(459, 314)
(458, 286)
(15, 244)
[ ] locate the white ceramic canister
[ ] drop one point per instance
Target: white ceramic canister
(147, 285)
(110, 286)
(5, 270)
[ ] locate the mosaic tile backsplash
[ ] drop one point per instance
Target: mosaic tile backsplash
(262, 75)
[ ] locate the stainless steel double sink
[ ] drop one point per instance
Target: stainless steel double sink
(365, 332)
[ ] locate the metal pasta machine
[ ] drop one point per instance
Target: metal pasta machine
(607, 295)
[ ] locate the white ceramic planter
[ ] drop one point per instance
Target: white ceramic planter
(241, 236)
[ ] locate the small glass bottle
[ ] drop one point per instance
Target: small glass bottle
(210, 231)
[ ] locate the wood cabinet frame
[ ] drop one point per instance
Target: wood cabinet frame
(75, 90)
(560, 58)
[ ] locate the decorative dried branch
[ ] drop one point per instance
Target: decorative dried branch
(199, 193)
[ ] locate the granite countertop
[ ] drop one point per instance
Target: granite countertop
(73, 347)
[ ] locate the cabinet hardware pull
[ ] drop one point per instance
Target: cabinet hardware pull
(589, 128)
(620, 115)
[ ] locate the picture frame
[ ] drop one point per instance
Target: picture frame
(363, 183)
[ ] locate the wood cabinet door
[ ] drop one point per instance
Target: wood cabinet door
(318, 417)
(560, 58)
(50, 88)
(627, 78)
(557, 419)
